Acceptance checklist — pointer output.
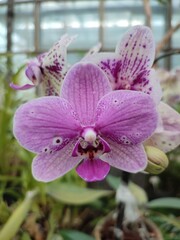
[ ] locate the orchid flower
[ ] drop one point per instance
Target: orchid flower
(88, 126)
(130, 67)
(48, 69)
(167, 135)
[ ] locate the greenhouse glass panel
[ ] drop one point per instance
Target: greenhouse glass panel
(23, 32)
(175, 21)
(3, 29)
(72, 17)
(159, 16)
(119, 15)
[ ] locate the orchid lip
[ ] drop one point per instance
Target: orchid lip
(91, 150)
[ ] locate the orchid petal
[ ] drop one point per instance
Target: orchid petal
(136, 50)
(93, 169)
(127, 117)
(24, 87)
(146, 81)
(55, 66)
(127, 158)
(51, 165)
(167, 136)
(40, 122)
(84, 85)
(33, 72)
(129, 68)
(110, 64)
(92, 51)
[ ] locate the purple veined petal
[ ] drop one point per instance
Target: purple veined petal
(166, 137)
(93, 169)
(44, 122)
(24, 87)
(110, 64)
(84, 85)
(147, 81)
(55, 66)
(136, 50)
(127, 117)
(48, 166)
(127, 158)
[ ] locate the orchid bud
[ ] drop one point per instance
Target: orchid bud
(157, 160)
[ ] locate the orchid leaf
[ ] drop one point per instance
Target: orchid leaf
(75, 195)
(74, 235)
(113, 181)
(169, 202)
(16, 219)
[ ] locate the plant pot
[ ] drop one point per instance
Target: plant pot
(142, 229)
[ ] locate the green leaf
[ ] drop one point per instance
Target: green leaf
(113, 181)
(75, 195)
(74, 235)
(138, 193)
(168, 202)
(16, 76)
(57, 237)
(13, 224)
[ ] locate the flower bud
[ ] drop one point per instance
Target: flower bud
(157, 160)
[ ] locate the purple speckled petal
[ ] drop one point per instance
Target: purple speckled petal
(51, 165)
(47, 122)
(147, 82)
(129, 68)
(24, 87)
(127, 117)
(109, 63)
(166, 137)
(136, 50)
(93, 169)
(84, 85)
(55, 66)
(127, 158)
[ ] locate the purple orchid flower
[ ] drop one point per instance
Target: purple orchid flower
(48, 69)
(130, 67)
(89, 127)
(167, 135)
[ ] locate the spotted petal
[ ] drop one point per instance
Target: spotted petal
(127, 117)
(127, 158)
(167, 135)
(55, 66)
(136, 50)
(130, 66)
(93, 169)
(83, 87)
(49, 166)
(45, 123)
(137, 53)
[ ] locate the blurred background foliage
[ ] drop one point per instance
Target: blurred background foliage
(69, 208)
